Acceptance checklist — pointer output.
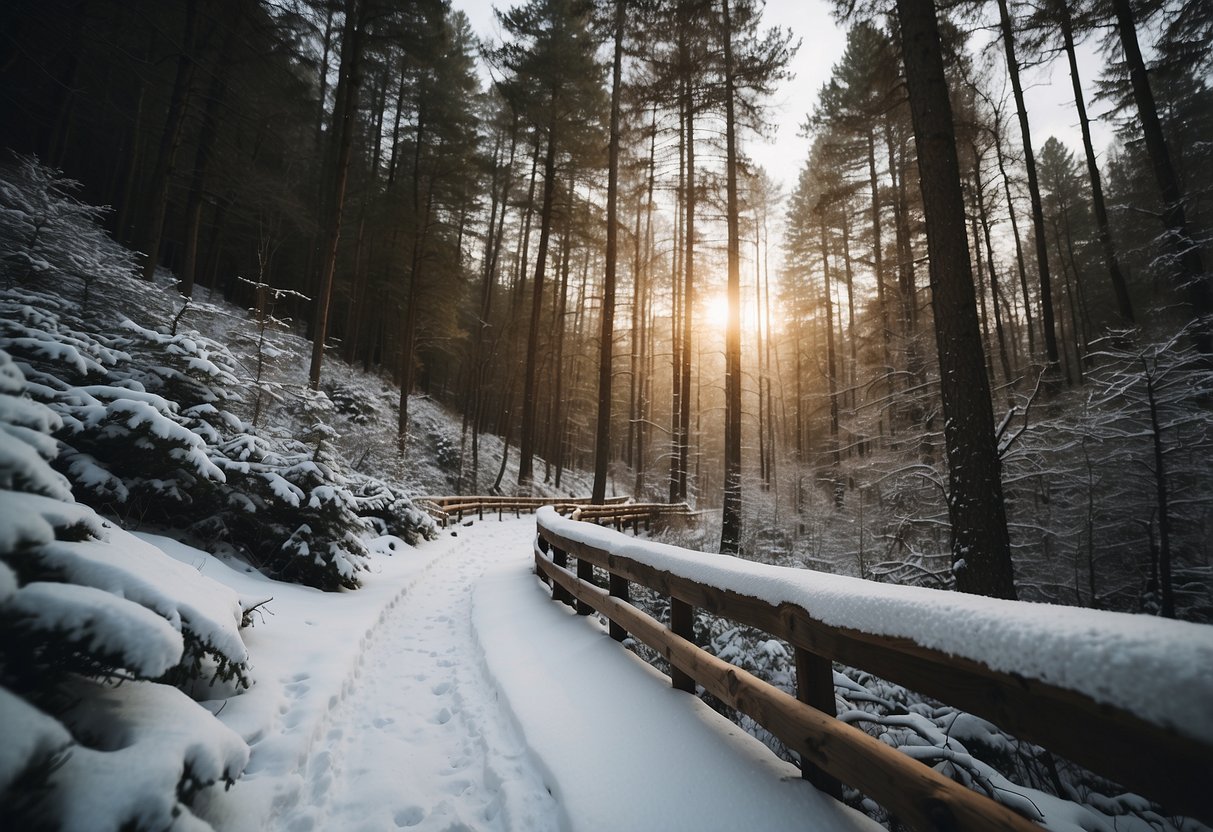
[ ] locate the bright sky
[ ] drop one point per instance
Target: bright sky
(1048, 92)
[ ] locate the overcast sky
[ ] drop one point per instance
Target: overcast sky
(1049, 96)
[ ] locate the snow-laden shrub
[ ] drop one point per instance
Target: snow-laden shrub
(290, 513)
(146, 420)
(45, 231)
(96, 628)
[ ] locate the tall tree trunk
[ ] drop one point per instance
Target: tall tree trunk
(688, 299)
(1161, 495)
(149, 234)
(981, 550)
(831, 359)
(878, 260)
(606, 346)
(420, 235)
(1189, 271)
(1123, 305)
(979, 190)
(676, 286)
(1019, 258)
(348, 82)
(526, 442)
(202, 157)
(730, 525)
(1029, 160)
(326, 52)
(646, 324)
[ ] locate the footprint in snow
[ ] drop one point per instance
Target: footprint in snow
(409, 816)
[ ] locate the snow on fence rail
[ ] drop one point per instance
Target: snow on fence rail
(1126, 696)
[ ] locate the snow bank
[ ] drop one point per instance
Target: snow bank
(150, 741)
(1159, 669)
(28, 734)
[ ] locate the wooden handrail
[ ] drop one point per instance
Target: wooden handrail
(445, 508)
(618, 510)
(1174, 769)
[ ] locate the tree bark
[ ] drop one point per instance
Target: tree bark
(980, 544)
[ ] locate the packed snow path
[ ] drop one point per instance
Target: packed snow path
(419, 740)
(451, 693)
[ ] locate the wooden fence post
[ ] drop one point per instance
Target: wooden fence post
(544, 547)
(682, 623)
(561, 558)
(585, 572)
(815, 687)
(619, 588)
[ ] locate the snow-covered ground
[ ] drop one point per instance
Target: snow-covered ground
(450, 693)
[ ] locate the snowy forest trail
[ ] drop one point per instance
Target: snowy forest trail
(418, 739)
(450, 694)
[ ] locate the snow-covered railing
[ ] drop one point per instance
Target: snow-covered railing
(1129, 697)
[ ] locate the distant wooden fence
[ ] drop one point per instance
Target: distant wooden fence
(1174, 770)
(619, 512)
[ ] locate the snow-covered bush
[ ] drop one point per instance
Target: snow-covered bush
(149, 426)
(96, 628)
(45, 231)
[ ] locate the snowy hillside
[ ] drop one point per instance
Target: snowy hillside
(122, 409)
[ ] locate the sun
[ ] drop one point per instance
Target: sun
(716, 311)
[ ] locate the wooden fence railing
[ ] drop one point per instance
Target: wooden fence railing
(1171, 768)
(617, 511)
(452, 508)
(623, 515)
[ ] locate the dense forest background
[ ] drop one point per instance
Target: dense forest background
(560, 236)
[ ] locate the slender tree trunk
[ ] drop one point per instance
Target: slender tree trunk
(676, 285)
(980, 544)
(149, 234)
(730, 525)
(1029, 160)
(831, 360)
(688, 304)
(420, 235)
(646, 330)
(1123, 305)
(202, 158)
(324, 76)
(980, 287)
(979, 190)
(606, 347)
(343, 126)
(1019, 258)
(1189, 266)
(878, 260)
(526, 442)
(1161, 496)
